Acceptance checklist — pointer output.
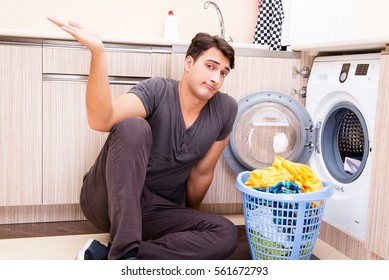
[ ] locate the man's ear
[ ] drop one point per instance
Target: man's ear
(189, 61)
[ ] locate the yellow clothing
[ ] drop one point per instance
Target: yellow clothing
(281, 170)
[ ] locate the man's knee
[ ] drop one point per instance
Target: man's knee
(133, 130)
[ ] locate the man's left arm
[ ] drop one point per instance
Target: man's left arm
(201, 175)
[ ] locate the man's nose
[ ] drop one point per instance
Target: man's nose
(215, 77)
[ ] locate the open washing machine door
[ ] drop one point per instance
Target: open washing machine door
(344, 145)
(269, 124)
(342, 156)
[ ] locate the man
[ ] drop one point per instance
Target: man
(165, 139)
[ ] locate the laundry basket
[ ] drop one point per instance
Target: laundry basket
(282, 226)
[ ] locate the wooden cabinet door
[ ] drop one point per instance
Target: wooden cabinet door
(161, 65)
(70, 147)
(377, 240)
(20, 124)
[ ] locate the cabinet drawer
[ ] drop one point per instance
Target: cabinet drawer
(130, 62)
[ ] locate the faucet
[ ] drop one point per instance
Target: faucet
(219, 14)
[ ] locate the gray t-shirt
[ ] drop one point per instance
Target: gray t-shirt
(175, 149)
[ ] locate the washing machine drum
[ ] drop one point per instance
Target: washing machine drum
(269, 124)
(344, 142)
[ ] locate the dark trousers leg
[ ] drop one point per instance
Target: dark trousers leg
(111, 192)
(174, 232)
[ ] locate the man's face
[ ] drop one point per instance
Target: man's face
(207, 74)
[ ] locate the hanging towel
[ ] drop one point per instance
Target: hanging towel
(269, 24)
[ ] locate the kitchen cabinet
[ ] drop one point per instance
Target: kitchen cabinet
(378, 219)
(45, 143)
(69, 145)
(21, 124)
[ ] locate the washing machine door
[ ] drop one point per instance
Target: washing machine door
(269, 124)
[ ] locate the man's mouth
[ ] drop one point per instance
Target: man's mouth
(212, 88)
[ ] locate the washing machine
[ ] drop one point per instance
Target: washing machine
(342, 96)
(333, 133)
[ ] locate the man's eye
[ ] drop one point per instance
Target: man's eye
(210, 66)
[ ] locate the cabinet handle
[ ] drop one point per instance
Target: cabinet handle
(114, 80)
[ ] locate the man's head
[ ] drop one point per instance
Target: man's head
(208, 61)
(203, 41)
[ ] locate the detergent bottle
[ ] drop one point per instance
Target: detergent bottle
(171, 27)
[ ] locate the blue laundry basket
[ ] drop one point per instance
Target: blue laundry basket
(282, 226)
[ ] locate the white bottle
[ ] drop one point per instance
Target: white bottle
(171, 27)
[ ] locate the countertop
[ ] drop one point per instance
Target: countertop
(16, 33)
(177, 46)
(355, 45)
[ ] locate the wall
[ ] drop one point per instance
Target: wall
(308, 21)
(374, 19)
(318, 21)
(133, 18)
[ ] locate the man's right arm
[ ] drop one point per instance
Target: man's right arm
(102, 113)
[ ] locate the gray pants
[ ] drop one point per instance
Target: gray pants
(114, 199)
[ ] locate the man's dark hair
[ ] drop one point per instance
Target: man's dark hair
(203, 41)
